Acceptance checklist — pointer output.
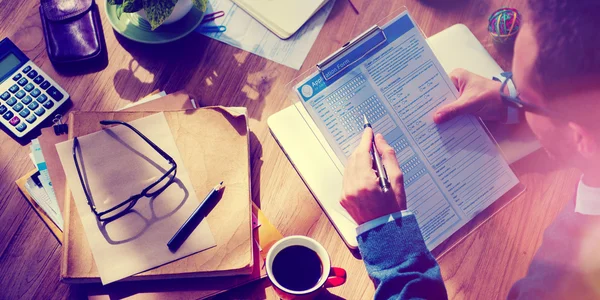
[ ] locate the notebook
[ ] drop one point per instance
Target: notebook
(202, 151)
(282, 17)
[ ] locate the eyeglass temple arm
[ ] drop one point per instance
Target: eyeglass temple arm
(87, 195)
(151, 143)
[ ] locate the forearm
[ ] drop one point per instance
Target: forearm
(399, 263)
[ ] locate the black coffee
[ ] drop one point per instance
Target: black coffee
(297, 268)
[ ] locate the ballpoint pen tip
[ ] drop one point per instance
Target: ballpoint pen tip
(221, 183)
(365, 119)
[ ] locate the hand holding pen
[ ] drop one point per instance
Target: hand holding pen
(379, 167)
(362, 195)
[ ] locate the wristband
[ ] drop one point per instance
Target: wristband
(512, 113)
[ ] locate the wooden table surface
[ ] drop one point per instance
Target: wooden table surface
(483, 265)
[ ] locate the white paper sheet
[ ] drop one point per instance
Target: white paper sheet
(39, 195)
(246, 33)
(117, 164)
(144, 100)
(451, 171)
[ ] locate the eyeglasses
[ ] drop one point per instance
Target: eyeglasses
(150, 191)
(520, 104)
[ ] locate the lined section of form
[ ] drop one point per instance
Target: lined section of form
(451, 171)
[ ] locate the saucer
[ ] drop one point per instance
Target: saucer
(135, 28)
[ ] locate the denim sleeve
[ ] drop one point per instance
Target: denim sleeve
(399, 263)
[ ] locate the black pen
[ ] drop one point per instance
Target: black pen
(190, 224)
(383, 180)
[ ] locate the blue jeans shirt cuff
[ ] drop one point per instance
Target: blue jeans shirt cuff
(380, 221)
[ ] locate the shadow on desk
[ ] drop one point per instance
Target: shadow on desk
(202, 67)
(256, 163)
(257, 289)
(173, 63)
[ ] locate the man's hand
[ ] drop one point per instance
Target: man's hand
(478, 96)
(362, 196)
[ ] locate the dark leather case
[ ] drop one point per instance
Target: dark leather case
(73, 31)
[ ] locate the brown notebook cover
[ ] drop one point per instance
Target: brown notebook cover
(194, 288)
(214, 145)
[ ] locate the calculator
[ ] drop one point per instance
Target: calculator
(28, 96)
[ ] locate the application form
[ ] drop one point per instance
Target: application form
(451, 171)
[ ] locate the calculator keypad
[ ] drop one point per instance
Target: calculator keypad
(14, 121)
(48, 104)
(32, 74)
(31, 118)
(28, 87)
(39, 79)
(24, 113)
(54, 93)
(28, 99)
(42, 98)
(20, 94)
(21, 127)
(18, 107)
(8, 115)
(40, 111)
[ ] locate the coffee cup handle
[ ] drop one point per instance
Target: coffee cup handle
(337, 277)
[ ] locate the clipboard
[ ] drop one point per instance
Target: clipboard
(330, 167)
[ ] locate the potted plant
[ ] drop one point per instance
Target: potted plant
(158, 12)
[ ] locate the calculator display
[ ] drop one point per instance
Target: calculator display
(8, 63)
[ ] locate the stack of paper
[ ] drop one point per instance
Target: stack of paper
(84, 251)
(117, 163)
(40, 188)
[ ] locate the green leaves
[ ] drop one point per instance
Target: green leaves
(157, 11)
(119, 11)
(200, 4)
(130, 6)
(127, 6)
